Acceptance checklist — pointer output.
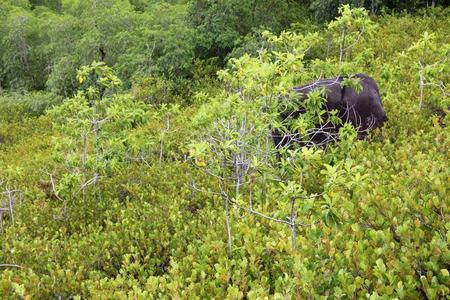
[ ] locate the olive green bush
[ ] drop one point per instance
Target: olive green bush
(122, 195)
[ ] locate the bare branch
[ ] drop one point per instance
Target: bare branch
(192, 185)
(252, 211)
(10, 265)
(54, 189)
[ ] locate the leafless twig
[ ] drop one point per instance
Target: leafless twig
(10, 266)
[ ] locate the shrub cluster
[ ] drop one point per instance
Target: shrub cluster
(117, 195)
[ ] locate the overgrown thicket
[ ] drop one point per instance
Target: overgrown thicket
(43, 45)
(44, 42)
(146, 192)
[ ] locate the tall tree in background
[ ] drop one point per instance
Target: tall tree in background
(52, 4)
(221, 25)
(326, 10)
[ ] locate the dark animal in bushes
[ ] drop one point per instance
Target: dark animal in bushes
(362, 109)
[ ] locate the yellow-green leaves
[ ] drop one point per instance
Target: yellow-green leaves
(432, 65)
(352, 26)
(353, 83)
(96, 78)
(198, 151)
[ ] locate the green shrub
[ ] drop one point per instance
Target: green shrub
(152, 225)
(16, 106)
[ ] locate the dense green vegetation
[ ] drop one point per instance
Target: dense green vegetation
(136, 161)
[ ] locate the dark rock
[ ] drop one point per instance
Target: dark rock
(363, 110)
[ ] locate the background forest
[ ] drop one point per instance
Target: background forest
(136, 160)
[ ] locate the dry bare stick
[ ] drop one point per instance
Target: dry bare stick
(422, 84)
(357, 40)
(93, 181)
(439, 85)
(96, 127)
(139, 158)
(227, 217)
(292, 218)
(2, 210)
(10, 265)
(53, 187)
(64, 209)
(1, 219)
(11, 203)
(192, 185)
(252, 211)
(84, 166)
(323, 83)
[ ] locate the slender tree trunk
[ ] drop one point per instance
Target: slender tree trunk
(226, 200)
(293, 218)
(422, 86)
(342, 45)
(102, 52)
(161, 150)
(11, 203)
(84, 168)
(238, 178)
(97, 150)
(227, 221)
(237, 171)
(422, 64)
(251, 196)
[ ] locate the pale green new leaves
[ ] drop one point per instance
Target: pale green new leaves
(96, 79)
(353, 83)
(291, 188)
(73, 116)
(432, 66)
(350, 18)
(232, 129)
(350, 28)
